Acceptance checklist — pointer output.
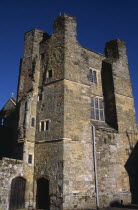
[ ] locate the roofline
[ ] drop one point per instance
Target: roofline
(13, 101)
(93, 51)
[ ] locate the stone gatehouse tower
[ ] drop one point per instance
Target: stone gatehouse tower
(65, 92)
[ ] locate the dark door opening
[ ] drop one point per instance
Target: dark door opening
(17, 196)
(42, 196)
(131, 167)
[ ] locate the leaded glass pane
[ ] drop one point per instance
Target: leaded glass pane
(94, 77)
(101, 103)
(97, 109)
(92, 102)
(96, 102)
(92, 114)
(101, 115)
(97, 114)
(90, 76)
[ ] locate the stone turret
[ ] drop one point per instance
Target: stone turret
(117, 68)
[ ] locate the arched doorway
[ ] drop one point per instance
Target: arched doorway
(42, 195)
(17, 195)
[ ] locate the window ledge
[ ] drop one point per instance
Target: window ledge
(99, 125)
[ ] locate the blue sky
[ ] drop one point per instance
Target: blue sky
(98, 22)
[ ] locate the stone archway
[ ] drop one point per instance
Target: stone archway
(42, 195)
(17, 195)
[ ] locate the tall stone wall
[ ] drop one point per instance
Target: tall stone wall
(49, 157)
(49, 163)
(113, 180)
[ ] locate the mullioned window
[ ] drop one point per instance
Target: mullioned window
(44, 125)
(93, 76)
(97, 109)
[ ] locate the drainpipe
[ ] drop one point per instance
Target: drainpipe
(95, 168)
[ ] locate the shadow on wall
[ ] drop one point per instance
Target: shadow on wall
(131, 165)
(5, 142)
(116, 203)
(119, 205)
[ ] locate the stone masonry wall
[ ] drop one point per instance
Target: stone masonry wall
(10, 169)
(51, 108)
(49, 160)
(49, 164)
(113, 180)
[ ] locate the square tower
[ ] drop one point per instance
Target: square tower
(76, 118)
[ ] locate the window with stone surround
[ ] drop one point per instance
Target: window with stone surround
(33, 66)
(33, 122)
(40, 96)
(26, 106)
(97, 109)
(93, 76)
(42, 56)
(30, 158)
(44, 125)
(49, 74)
